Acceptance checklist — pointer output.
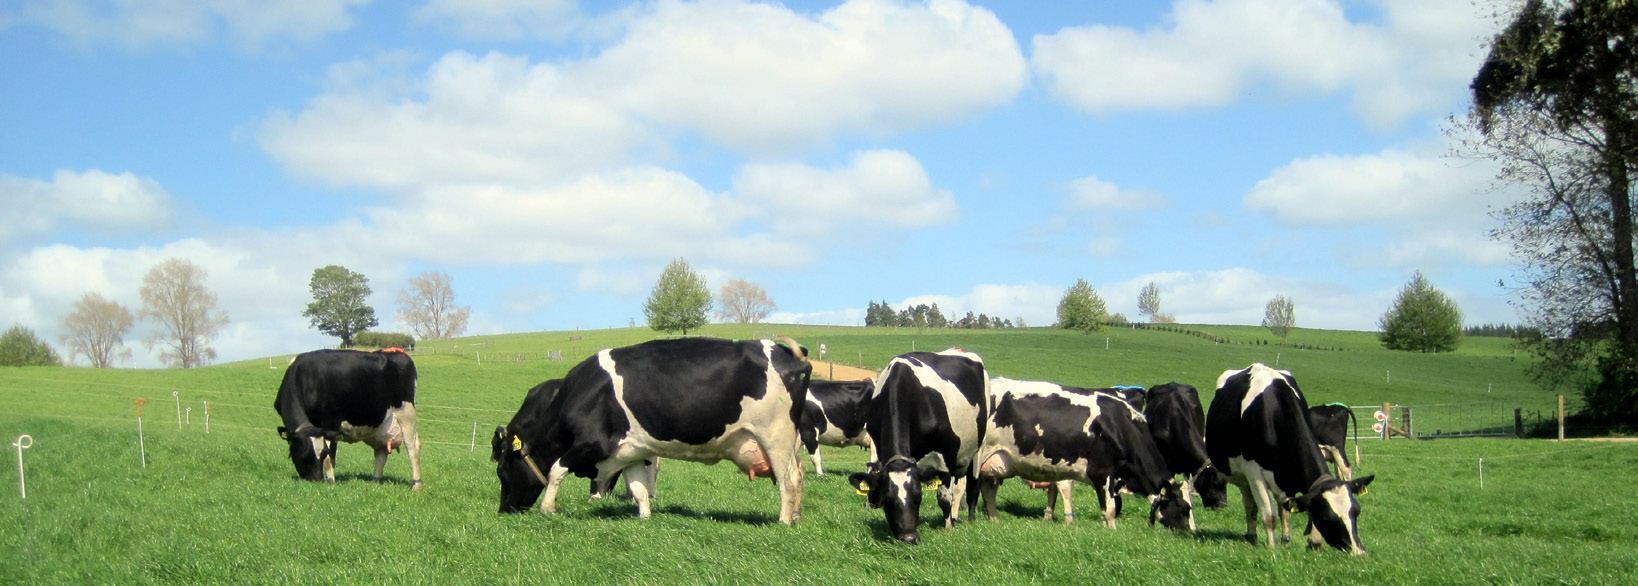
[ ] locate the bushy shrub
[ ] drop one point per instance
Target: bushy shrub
(384, 340)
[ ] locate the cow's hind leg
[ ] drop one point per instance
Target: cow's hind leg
(380, 462)
(412, 444)
(1067, 489)
(1261, 503)
(785, 462)
(986, 490)
(637, 483)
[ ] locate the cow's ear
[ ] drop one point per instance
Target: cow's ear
(284, 432)
(1357, 485)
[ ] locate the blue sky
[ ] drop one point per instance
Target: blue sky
(552, 157)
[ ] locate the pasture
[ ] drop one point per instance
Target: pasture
(225, 506)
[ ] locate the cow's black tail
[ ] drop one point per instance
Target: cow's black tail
(1356, 441)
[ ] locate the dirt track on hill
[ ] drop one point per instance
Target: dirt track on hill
(834, 371)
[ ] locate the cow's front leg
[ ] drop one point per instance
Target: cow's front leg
(986, 491)
(554, 480)
(380, 462)
(949, 499)
(1067, 489)
(818, 465)
(1106, 498)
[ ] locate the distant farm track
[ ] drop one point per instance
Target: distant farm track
(834, 371)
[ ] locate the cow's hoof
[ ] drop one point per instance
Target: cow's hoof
(416, 486)
(1252, 539)
(1285, 539)
(910, 539)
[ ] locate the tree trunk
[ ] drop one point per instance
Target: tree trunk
(1626, 276)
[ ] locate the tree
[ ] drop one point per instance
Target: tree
(428, 307)
(95, 328)
(1555, 102)
(1422, 319)
(1081, 309)
(1279, 316)
(680, 301)
(174, 294)
(1149, 301)
(744, 302)
(20, 347)
(338, 307)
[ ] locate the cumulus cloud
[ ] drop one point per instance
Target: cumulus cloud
(92, 199)
(876, 188)
(1092, 194)
(1391, 185)
(758, 77)
(501, 19)
(1208, 53)
(139, 25)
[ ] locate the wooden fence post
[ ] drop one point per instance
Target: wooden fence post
(1518, 422)
(1385, 425)
(1561, 418)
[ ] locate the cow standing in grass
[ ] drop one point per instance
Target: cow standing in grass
(346, 395)
(695, 399)
(927, 415)
(1257, 431)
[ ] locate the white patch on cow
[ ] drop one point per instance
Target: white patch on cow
(963, 415)
(905, 484)
(1341, 503)
(1262, 377)
(1000, 451)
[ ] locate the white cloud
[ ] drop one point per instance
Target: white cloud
(1392, 185)
(877, 188)
(486, 120)
(1240, 296)
(837, 317)
(759, 77)
(139, 25)
(501, 19)
(92, 199)
(1092, 194)
(1209, 52)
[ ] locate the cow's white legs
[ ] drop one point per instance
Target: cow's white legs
(986, 491)
(554, 480)
(412, 444)
(1334, 456)
(380, 462)
(1106, 496)
(637, 483)
(1067, 489)
(1261, 500)
(818, 467)
(950, 498)
(1188, 497)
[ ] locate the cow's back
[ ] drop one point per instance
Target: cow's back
(1177, 422)
(1259, 414)
(327, 387)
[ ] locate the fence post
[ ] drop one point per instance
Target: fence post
(1405, 421)
(1561, 418)
(1518, 422)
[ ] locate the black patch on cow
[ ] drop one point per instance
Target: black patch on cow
(1178, 424)
(843, 403)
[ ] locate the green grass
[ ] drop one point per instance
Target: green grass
(225, 507)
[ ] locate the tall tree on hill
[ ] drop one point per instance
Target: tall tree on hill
(1422, 319)
(338, 306)
(1279, 316)
(20, 347)
(744, 302)
(1556, 103)
(680, 300)
(1149, 301)
(95, 328)
(174, 294)
(1081, 309)
(428, 307)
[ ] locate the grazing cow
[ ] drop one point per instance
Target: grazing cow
(1259, 436)
(695, 399)
(1330, 425)
(1133, 395)
(350, 396)
(834, 415)
(1178, 424)
(1047, 432)
(927, 415)
(534, 403)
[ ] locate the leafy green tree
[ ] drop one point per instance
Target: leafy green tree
(1556, 105)
(20, 347)
(680, 300)
(1279, 316)
(338, 307)
(1422, 319)
(1081, 309)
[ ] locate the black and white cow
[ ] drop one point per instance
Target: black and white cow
(695, 399)
(1257, 433)
(534, 402)
(1178, 424)
(346, 395)
(1046, 432)
(834, 415)
(1330, 425)
(927, 417)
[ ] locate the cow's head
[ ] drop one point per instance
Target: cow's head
(520, 486)
(1333, 514)
(895, 487)
(311, 450)
(1172, 508)
(1213, 488)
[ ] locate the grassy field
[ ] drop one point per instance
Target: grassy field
(225, 506)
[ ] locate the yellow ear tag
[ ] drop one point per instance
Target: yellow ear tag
(933, 484)
(1291, 506)
(517, 444)
(862, 489)
(1364, 490)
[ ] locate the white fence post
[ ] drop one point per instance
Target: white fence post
(23, 442)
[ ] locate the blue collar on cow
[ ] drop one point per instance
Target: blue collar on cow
(1126, 387)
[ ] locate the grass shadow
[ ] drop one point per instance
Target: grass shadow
(738, 517)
